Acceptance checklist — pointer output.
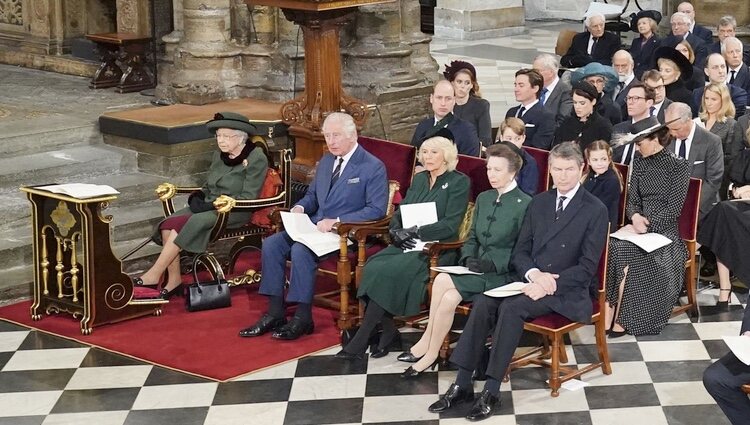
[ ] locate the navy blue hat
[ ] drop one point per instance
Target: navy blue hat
(635, 17)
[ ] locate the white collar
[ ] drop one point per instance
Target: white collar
(530, 105)
(571, 193)
(552, 85)
(512, 185)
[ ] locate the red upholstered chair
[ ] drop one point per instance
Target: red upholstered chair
(688, 223)
(542, 161)
(625, 173)
(553, 327)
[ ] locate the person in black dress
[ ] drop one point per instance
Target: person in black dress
(642, 48)
(601, 178)
(469, 105)
(675, 69)
(585, 125)
(699, 78)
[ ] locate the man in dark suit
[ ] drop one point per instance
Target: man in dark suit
(702, 150)
(724, 380)
(624, 66)
(592, 45)
(350, 185)
(556, 94)
(557, 251)
(727, 28)
(716, 70)
(653, 80)
(443, 99)
(540, 123)
(739, 138)
(639, 101)
(700, 31)
(681, 31)
(737, 71)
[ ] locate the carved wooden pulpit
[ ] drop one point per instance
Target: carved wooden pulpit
(320, 21)
(75, 270)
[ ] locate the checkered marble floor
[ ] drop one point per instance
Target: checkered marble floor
(655, 380)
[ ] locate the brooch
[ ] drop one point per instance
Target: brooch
(244, 163)
(518, 200)
(445, 186)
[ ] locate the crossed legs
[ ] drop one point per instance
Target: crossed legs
(168, 261)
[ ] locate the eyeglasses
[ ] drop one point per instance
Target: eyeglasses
(633, 98)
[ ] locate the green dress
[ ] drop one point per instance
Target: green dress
(239, 182)
(494, 230)
(395, 279)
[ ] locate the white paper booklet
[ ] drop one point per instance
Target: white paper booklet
(80, 190)
(454, 270)
(418, 215)
(509, 290)
(740, 346)
(302, 230)
(648, 242)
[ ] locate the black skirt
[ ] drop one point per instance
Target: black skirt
(726, 230)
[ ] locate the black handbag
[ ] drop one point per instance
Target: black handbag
(208, 295)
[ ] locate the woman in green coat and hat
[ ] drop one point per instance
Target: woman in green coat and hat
(393, 280)
(237, 170)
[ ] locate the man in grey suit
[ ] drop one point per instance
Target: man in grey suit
(555, 96)
(557, 252)
(702, 150)
(624, 66)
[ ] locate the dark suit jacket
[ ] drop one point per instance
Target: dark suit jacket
(624, 127)
(739, 138)
(360, 193)
(715, 47)
(742, 78)
(705, 162)
(570, 246)
(560, 102)
(620, 98)
(664, 106)
(643, 55)
(700, 47)
(703, 33)
(577, 54)
(738, 94)
(540, 125)
(464, 135)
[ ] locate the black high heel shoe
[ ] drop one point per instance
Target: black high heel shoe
(165, 294)
(139, 282)
(729, 297)
(408, 357)
(411, 373)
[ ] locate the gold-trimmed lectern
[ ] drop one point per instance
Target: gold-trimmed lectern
(75, 270)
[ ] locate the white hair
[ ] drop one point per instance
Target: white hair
(346, 121)
(590, 16)
(682, 17)
(548, 61)
(727, 40)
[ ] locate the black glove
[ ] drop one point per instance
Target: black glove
(480, 266)
(404, 238)
(197, 202)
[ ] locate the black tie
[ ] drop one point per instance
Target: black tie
(593, 46)
(731, 79)
(559, 210)
(683, 148)
(336, 172)
(520, 112)
(651, 111)
(626, 155)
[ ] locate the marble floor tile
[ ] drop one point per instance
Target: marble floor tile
(695, 415)
(620, 396)
(328, 387)
(623, 373)
(265, 391)
(337, 411)
(96, 357)
(36, 340)
(625, 352)
(559, 418)
(183, 416)
(98, 400)
(10, 341)
(35, 380)
(28, 404)
(174, 396)
(285, 370)
(398, 408)
(652, 415)
(238, 414)
(540, 401)
(673, 332)
(677, 371)
(717, 330)
(115, 417)
(109, 377)
(329, 365)
(61, 358)
(673, 350)
(392, 385)
(682, 393)
(496, 420)
(164, 376)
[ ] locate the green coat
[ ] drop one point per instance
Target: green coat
(396, 280)
(239, 182)
(494, 230)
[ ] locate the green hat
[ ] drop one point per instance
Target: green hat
(233, 121)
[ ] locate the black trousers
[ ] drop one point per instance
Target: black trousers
(506, 317)
(724, 380)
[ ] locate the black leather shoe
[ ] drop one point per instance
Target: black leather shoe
(483, 407)
(165, 295)
(453, 397)
(263, 325)
(407, 357)
(708, 269)
(379, 352)
(293, 330)
(410, 372)
(345, 355)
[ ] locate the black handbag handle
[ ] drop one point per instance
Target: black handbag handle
(198, 282)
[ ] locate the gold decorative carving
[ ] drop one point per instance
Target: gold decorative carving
(55, 308)
(74, 266)
(11, 12)
(44, 263)
(251, 276)
(115, 296)
(166, 191)
(59, 266)
(99, 211)
(63, 218)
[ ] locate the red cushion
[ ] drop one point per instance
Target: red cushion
(476, 169)
(397, 157)
(556, 321)
(145, 292)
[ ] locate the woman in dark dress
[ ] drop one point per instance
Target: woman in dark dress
(642, 48)
(495, 225)
(513, 130)
(585, 125)
(394, 281)
(604, 79)
(237, 170)
(469, 103)
(699, 77)
(642, 287)
(602, 179)
(675, 69)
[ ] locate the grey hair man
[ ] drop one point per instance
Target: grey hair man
(555, 95)
(593, 45)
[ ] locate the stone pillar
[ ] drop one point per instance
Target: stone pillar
(708, 12)
(45, 26)
(206, 63)
(134, 16)
(478, 19)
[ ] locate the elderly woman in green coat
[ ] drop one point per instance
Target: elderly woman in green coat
(498, 214)
(237, 170)
(394, 281)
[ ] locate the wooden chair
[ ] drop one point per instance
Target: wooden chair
(542, 161)
(553, 327)
(247, 236)
(399, 160)
(625, 173)
(688, 223)
(564, 40)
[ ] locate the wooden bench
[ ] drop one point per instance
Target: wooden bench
(123, 57)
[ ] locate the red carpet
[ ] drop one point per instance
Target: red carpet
(202, 343)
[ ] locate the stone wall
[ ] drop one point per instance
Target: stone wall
(574, 9)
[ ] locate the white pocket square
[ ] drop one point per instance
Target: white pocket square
(698, 162)
(529, 125)
(352, 181)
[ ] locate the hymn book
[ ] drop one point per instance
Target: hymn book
(418, 215)
(648, 242)
(302, 230)
(457, 270)
(80, 190)
(509, 290)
